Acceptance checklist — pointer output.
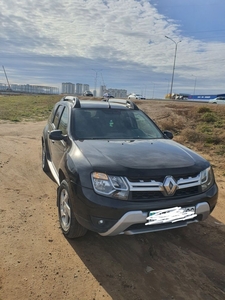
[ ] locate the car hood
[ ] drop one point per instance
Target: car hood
(141, 157)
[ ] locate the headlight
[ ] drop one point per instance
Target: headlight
(207, 179)
(110, 186)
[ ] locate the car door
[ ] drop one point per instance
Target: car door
(221, 100)
(218, 100)
(58, 148)
(53, 124)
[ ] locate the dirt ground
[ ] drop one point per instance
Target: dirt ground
(37, 262)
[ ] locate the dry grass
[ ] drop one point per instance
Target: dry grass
(18, 108)
(199, 127)
(196, 124)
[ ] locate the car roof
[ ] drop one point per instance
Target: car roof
(109, 103)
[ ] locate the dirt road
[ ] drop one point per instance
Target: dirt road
(37, 262)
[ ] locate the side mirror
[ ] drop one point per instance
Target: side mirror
(57, 135)
(168, 134)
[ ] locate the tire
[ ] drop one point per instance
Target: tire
(68, 222)
(45, 166)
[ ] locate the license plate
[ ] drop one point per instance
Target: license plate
(171, 215)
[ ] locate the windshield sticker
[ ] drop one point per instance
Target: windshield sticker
(111, 123)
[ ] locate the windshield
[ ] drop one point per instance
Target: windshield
(113, 124)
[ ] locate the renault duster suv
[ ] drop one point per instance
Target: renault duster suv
(118, 173)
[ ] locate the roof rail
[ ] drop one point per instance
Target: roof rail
(73, 99)
(128, 103)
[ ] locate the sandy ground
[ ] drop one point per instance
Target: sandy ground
(37, 262)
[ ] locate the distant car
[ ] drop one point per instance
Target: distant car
(181, 97)
(107, 95)
(88, 93)
(218, 100)
(135, 96)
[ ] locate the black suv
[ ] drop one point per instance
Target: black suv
(118, 173)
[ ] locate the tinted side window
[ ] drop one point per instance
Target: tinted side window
(51, 117)
(64, 121)
(57, 116)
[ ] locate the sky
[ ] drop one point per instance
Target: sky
(117, 43)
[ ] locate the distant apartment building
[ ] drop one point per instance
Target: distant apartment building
(68, 88)
(79, 87)
(85, 87)
(117, 93)
(29, 88)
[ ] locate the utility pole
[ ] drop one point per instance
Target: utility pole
(194, 84)
(103, 84)
(96, 77)
(174, 63)
(153, 90)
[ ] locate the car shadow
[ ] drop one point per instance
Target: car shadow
(184, 263)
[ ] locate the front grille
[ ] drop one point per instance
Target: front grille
(145, 179)
(187, 192)
(160, 187)
(145, 195)
(148, 195)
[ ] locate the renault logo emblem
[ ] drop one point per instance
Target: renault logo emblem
(170, 186)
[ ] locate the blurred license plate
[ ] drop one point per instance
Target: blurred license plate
(170, 215)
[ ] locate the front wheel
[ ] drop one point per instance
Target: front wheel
(68, 222)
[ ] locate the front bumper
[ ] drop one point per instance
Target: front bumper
(125, 224)
(112, 217)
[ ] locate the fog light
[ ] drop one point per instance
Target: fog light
(101, 222)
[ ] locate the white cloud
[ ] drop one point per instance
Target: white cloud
(114, 33)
